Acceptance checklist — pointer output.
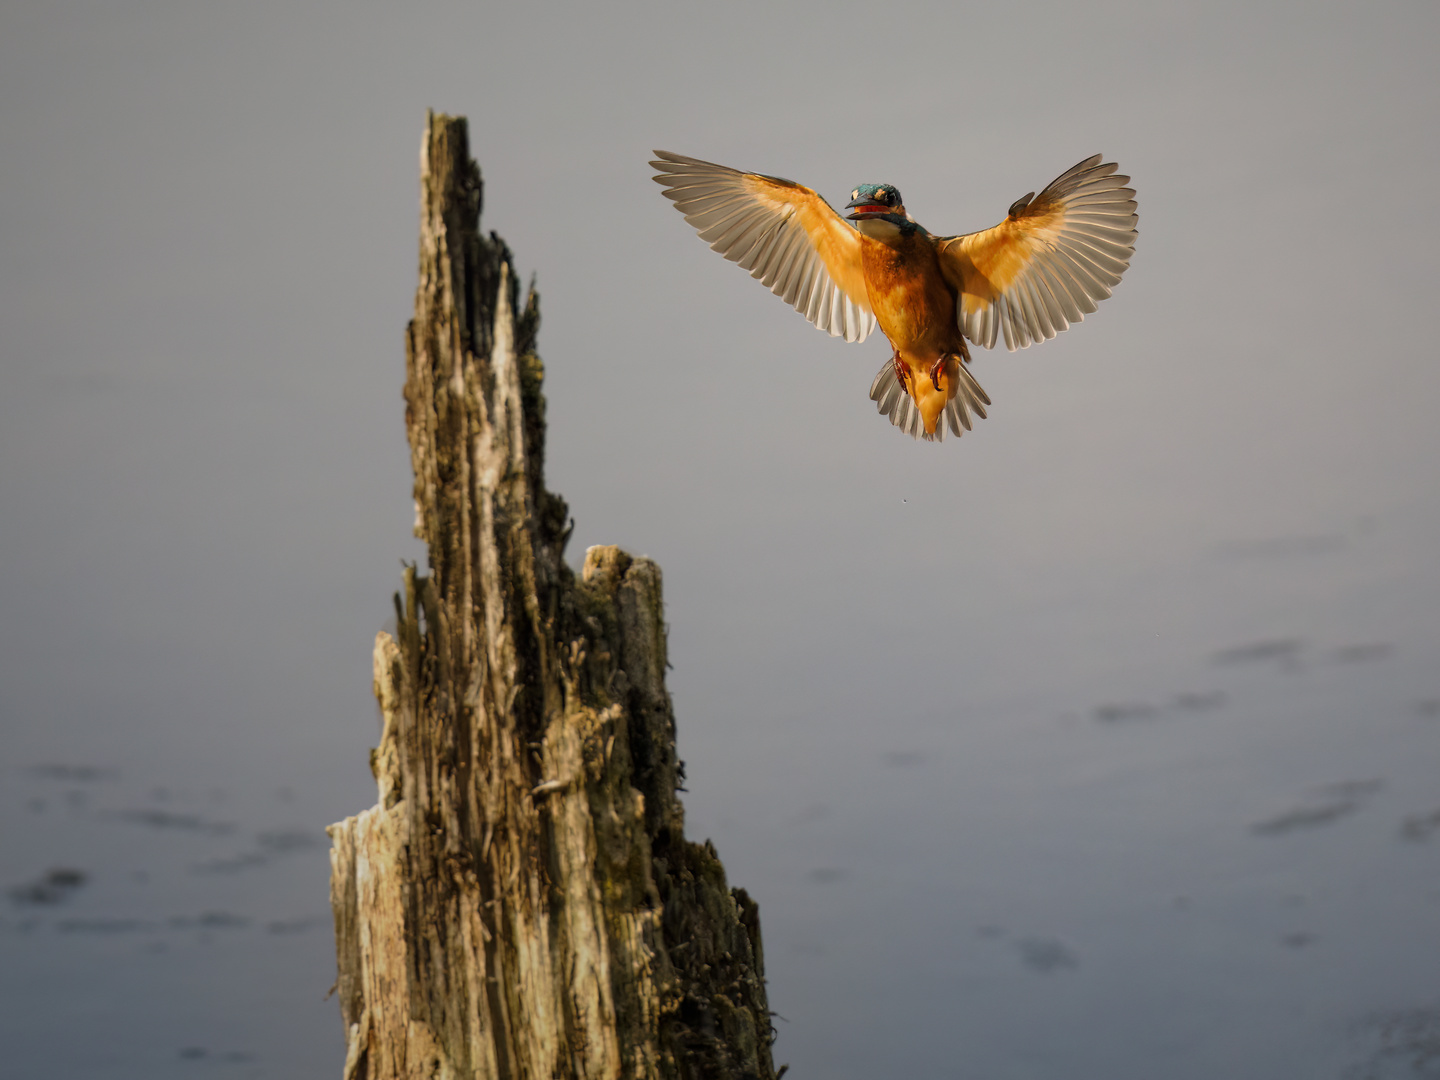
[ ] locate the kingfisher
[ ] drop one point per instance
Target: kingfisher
(1047, 265)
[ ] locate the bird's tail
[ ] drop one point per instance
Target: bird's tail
(893, 401)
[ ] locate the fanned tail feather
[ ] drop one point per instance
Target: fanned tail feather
(893, 402)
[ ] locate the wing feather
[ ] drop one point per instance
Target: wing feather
(1048, 263)
(1053, 315)
(1061, 290)
(788, 237)
(1092, 289)
(775, 262)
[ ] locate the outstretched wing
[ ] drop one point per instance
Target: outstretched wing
(1048, 263)
(784, 234)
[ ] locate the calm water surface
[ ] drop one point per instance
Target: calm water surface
(1220, 858)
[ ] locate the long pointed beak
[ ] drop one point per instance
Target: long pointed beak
(865, 207)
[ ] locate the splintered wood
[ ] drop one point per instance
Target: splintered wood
(521, 902)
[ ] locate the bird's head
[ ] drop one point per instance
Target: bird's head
(876, 200)
(879, 212)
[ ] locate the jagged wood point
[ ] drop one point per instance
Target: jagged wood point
(521, 902)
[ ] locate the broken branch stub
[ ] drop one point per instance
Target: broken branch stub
(521, 903)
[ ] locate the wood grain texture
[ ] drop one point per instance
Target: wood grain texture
(521, 902)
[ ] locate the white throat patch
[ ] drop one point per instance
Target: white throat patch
(878, 228)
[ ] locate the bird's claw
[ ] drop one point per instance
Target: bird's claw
(901, 372)
(936, 370)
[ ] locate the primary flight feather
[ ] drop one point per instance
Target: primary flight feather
(1044, 267)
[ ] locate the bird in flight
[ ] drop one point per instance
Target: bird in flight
(1044, 267)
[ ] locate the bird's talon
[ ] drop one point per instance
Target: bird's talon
(936, 370)
(900, 372)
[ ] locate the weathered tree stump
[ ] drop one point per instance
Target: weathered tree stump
(522, 902)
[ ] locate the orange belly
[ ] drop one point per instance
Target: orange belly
(916, 310)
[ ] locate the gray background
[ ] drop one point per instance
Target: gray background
(1102, 742)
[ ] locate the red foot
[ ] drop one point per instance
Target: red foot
(937, 370)
(902, 372)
